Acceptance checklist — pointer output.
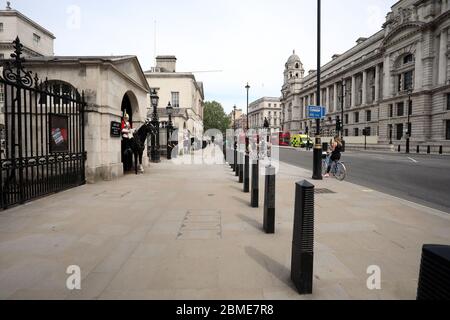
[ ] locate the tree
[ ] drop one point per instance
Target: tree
(214, 117)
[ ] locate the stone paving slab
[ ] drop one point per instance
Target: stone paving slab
(125, 236)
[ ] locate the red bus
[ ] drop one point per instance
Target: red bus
(285, 139)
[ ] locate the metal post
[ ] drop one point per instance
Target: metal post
(418, 149)
(234, 142)
(303, 238)
(408, 134)
(241, 167)
(169, 130)
(255, 184)
(155, 152)
(255, 177)
(317, 168)
(247, 151)
(428, 150)
(269, 200)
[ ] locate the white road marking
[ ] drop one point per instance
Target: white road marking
(415, 161)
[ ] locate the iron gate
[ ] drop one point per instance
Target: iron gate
(42, 151)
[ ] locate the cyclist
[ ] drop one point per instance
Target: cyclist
(336, 149)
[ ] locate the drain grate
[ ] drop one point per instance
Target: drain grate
(201, 225)
(324, 191)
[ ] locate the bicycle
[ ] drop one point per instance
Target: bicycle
(338, 169)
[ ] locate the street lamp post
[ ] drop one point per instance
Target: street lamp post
(169, 129)
(155, 152)
(235, 164)
(247, 152)
(408, 130)
(317, 166)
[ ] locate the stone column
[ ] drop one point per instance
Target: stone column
(364, 88)
(443, 57)
(335, 99)
(387, 77)
(353, 102)
(377, 83)
(327, 104)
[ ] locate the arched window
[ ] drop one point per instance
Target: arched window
(60, 89)
(408, 59)
(297, 65)
(404, 72)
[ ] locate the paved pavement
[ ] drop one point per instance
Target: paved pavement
(420, 178)
(188, 232)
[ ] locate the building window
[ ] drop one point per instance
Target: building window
(399, 131)
(448, 101)
(356, 132)
(408, 80)
(175, 99)
(2, 56)
(368, 116)
(408, 59)
(36, 39)
(391, 111)
(270, 105)
(390, 133)
(356, 115)
(447, 130)
(400, 109)
(368, 131)
(410, 108)
(1, 26)
(346, 132)
(346, 119)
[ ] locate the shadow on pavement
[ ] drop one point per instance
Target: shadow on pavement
(255, 224)
(274, 267)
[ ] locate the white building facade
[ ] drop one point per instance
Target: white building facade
(37, 40)
(399, 75)
(184, 93)
(113, 86)
(265, 108)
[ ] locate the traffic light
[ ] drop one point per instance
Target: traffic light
(338, 124)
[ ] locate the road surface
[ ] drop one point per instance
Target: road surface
(423, 179)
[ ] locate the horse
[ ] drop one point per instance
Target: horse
(136, 144)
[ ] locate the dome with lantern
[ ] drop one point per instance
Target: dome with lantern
(294, 68)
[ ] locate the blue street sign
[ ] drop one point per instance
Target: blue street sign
(316, 112)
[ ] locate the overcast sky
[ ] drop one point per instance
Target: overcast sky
(247, 40)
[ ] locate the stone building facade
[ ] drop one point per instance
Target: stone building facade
(235, 115)
(36, 40)
(397, 76)
(183, 91)
(265, 108)
(113, 85)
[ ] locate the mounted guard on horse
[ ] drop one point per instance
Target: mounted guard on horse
(135, 140)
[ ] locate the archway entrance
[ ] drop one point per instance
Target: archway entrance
(126, 108)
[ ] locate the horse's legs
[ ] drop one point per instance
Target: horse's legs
(141, 168)
(136, 162)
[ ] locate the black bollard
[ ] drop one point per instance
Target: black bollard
(235, 164)
(440, 150)
(428, 149)
(399, 148)
(418, 149)
(269, 200)
(247, 173)
(255, 184)
(433, 284)
(241, 167)
(303, 239)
